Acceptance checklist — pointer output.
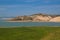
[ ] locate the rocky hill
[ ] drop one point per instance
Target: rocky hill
(56, 19)
(37, 18)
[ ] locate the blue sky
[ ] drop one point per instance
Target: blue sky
(28, 7)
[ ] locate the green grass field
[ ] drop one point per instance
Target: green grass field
(30, 33)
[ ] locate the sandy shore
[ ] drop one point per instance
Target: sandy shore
(26, 21)
(32, 21)
(16, 21)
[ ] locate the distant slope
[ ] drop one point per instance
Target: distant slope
(56, 19)
(36, 18)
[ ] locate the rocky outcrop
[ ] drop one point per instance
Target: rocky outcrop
(23, 18)
(56, 19)
(42, 18)
(37, 18)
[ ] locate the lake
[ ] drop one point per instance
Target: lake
(14, 24)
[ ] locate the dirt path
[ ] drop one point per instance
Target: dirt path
(48, 37)
(52, 36)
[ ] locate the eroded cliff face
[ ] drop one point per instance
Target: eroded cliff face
(37, 18)
(42, 18)
(56, 19)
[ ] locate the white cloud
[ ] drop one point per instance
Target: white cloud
(14, 6)
(46, 1)
(7, 7)
(49, 6)
(21, 0)
(3, 9)
(18, 6)
(31, 0)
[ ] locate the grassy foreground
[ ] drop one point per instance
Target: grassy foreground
(30, 33)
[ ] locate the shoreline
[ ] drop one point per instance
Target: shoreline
(29, 21)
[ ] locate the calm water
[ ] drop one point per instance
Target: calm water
(9, 24)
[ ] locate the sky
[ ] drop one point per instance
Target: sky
(11, 8)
